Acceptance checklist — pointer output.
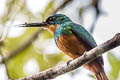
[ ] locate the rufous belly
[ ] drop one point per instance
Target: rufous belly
(71, 46)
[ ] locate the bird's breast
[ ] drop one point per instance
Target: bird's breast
(71, 46)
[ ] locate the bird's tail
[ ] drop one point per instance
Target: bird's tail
(96, 67)
(101, 76)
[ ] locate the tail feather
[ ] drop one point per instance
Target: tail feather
(97, 68)
(101, 76)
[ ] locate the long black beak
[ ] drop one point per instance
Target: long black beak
(43, 24)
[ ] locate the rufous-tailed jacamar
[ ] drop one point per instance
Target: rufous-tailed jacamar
(73, 40)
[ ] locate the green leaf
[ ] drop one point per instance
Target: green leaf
(115, 66)
(91, 76)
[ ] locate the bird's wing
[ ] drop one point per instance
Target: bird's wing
(83, 35)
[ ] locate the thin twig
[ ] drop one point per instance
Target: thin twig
(96, 5)
(87, 57)
(65, 3)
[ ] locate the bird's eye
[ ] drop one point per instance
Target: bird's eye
(52, 18)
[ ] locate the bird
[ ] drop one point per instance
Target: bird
(73, 40)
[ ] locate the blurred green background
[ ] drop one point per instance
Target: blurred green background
(34, 50)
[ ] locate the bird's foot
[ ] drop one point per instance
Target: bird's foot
(68, 62)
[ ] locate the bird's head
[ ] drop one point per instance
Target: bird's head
(51, 23)
(57, 19)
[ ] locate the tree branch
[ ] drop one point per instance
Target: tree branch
(87, 57)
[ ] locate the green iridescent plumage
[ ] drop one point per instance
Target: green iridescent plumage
(68, 28)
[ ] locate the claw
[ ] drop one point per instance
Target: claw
(68, 62)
